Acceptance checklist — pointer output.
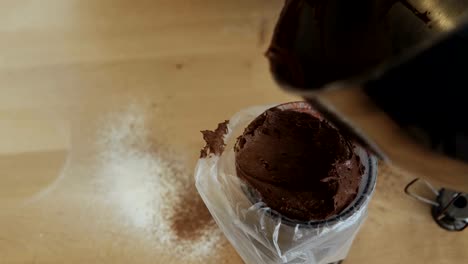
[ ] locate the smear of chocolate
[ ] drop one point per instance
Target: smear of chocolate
(423, 16)
(214, 140)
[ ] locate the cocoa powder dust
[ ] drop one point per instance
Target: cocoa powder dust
(191, 217)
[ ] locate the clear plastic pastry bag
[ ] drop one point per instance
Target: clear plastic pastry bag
(258, 233)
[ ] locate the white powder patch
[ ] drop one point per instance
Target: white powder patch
(145, 183)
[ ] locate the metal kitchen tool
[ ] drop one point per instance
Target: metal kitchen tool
(410, 57)
(449, 209)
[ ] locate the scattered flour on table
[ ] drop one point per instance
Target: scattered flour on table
(152, 188)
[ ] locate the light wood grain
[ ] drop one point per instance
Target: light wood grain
(66, 64)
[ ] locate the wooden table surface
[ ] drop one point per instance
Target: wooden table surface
(66, 64)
